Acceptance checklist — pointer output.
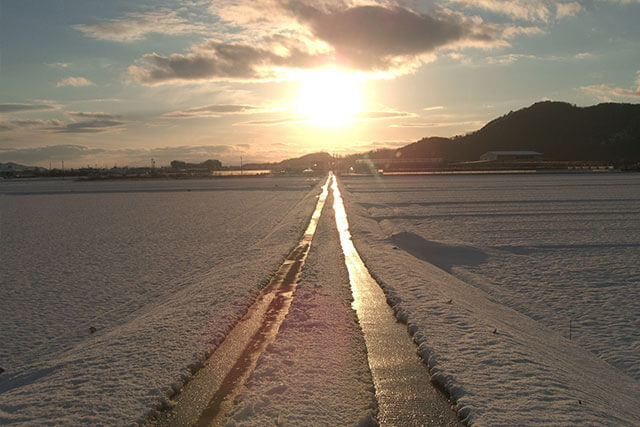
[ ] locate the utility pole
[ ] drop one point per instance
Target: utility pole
(240, 165)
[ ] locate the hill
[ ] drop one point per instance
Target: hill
(561, 131)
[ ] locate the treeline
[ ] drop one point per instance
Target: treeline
(208, 165)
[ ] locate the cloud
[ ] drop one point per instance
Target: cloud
(564, 10)
(216, 110)
(136, 26)
(509, 58)
(91, 115)
(583, 55)
(273, 122)
(370, 38)
(524, 10)
(74, 82)
(215, 60)
(82, 122)
(379, 38)
(18, 108)
(382, 115)
(434, 108)
(59, 65)
(515, 31)
(607, 93)
(88, 126)
(16, 125)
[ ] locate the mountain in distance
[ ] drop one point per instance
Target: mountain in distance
(11, 166)
(558, 130)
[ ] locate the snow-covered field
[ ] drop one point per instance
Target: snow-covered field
(160, 269)
(492, 272)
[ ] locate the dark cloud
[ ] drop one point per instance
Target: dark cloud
(29, 124)
(97, 122)
(16, 108)
(215, 60)
(367, 38)
(370, 37)
(93, 116)
(88, 126)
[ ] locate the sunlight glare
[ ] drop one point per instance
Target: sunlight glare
(329, 97)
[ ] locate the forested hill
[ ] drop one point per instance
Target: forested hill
(559, 130)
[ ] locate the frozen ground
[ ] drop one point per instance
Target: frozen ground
(489, 271)
(160, 269)
(316, 372)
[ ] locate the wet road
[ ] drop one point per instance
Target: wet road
(403, 388)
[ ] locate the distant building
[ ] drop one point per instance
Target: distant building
(506, 156)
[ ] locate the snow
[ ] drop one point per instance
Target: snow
(316, 372)
(161, 269)
(488, 272)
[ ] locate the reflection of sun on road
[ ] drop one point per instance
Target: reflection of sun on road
(329, 97)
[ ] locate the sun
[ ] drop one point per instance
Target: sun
(329, 97)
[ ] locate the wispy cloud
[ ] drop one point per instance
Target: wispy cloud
(136, 26)
(564, 10)
(382, 115)
(75, 82)
(515, 31)
(432, 125)
(434, 108)
(216, 110)
(524, 10)
(509, 58)
(91, 115)
(19, 108)
(59, 65)
(606, 92)
(81, 122)
(88, 126)
(273, 122)
(17, 125)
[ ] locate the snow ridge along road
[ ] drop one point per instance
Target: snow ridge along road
(403, 385)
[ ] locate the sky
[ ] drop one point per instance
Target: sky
(118, 83)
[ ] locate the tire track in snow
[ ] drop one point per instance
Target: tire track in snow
(208, 397)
